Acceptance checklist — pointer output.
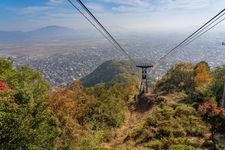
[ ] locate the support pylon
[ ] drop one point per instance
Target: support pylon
(144, 80)
(223, 99)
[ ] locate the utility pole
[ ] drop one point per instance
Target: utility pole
(223, 99)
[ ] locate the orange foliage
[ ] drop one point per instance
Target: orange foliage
(68, 104)
(202, 75)
(69, 101)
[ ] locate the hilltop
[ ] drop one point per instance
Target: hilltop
(109, 71)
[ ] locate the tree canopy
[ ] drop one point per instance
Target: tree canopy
(25, 122)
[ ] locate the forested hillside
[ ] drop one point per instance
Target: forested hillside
(101, 111)
(110, 71)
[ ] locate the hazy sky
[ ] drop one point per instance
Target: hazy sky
(136, 15)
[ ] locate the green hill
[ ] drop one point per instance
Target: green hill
(109, 71)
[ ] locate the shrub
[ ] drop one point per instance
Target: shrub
(178, 78)
(170, 125)
(213, 114)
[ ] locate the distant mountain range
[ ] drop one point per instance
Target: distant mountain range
(45, 33)
(51, 33)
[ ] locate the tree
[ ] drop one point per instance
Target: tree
(25, 122)
(218, 83)
(178, 78)
(202, 82)
(215, 116)
(202, 74)
(68, 105)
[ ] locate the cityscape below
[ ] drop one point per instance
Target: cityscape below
(73, 59)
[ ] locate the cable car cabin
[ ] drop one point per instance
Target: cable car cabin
(144, 80)
(223, 43)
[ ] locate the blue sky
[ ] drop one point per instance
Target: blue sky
(135, 15)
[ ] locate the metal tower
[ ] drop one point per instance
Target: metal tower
(144, 80)
(223, 99)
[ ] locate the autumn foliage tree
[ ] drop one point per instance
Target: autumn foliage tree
(202, 80)
(70, 101)
(68, 104)
(202, 74)
(215, 116)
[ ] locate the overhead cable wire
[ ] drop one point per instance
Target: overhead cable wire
(196, 33)
(204, 30)
(101, 32)
(190, 36)
(105, 33)
(105, 30)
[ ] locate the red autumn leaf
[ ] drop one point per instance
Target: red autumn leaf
(2, 86)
